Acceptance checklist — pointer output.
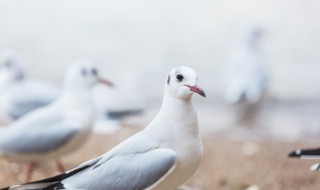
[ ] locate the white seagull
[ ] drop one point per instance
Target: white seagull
(246, 77)
(161, 157)
(59, 128)
(311, 153)
(18, 93)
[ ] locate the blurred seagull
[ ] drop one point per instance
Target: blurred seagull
(313, 153)
(246, 75)
(56, 129)
(19, 94)
(109, 122)
(161, 157)
(121, 114)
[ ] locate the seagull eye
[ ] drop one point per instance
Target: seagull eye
(179, 77)
(94, 72)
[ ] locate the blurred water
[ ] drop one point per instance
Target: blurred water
(138, 42)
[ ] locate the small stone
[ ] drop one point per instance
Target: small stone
(253, 187)
(249, 148)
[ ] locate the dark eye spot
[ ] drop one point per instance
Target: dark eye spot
(83, 72)
(179, 77)
(94, 72)
(168, 80)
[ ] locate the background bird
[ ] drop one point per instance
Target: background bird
(57, 129)
(18, 93)
(111, 121)
(246, 77)
(162, 156)
(312, 153)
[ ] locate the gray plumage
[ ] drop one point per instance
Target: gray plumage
(41, 135)
(20, 108)
(118, 115)
(124, 167)
(137, 171)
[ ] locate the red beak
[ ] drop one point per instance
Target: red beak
(197, 90)
(106, 82)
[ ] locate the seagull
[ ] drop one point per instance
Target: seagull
(246, 77)
(161, 157)
(312, 153)
(57, 129)
(18, 93)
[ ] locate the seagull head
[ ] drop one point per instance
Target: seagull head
(83, 75)
(182, 83)
(252, 34)
(11, 66)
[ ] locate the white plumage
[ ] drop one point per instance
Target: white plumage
(161, 157)
(246, 77)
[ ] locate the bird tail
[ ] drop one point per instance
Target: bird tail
(52, 183)
(306, 153)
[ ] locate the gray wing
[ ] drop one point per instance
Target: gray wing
(132, 171)
(19, 109)
(118, 115)
(29, 96)
(30, 139)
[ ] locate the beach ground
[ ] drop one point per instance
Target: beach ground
(228, 164)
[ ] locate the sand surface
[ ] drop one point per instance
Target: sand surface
(228, 164)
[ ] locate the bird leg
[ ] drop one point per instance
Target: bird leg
(30, 169)
(60, 166)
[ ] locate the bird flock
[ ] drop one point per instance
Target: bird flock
(52, 123)
(43, 122)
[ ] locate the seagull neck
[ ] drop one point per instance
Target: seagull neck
(78, 94)
(174, 109)
(75, 88)
(176, 115)
(79, 104)
(174, 104)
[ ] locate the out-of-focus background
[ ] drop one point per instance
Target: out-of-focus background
(136, 43)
